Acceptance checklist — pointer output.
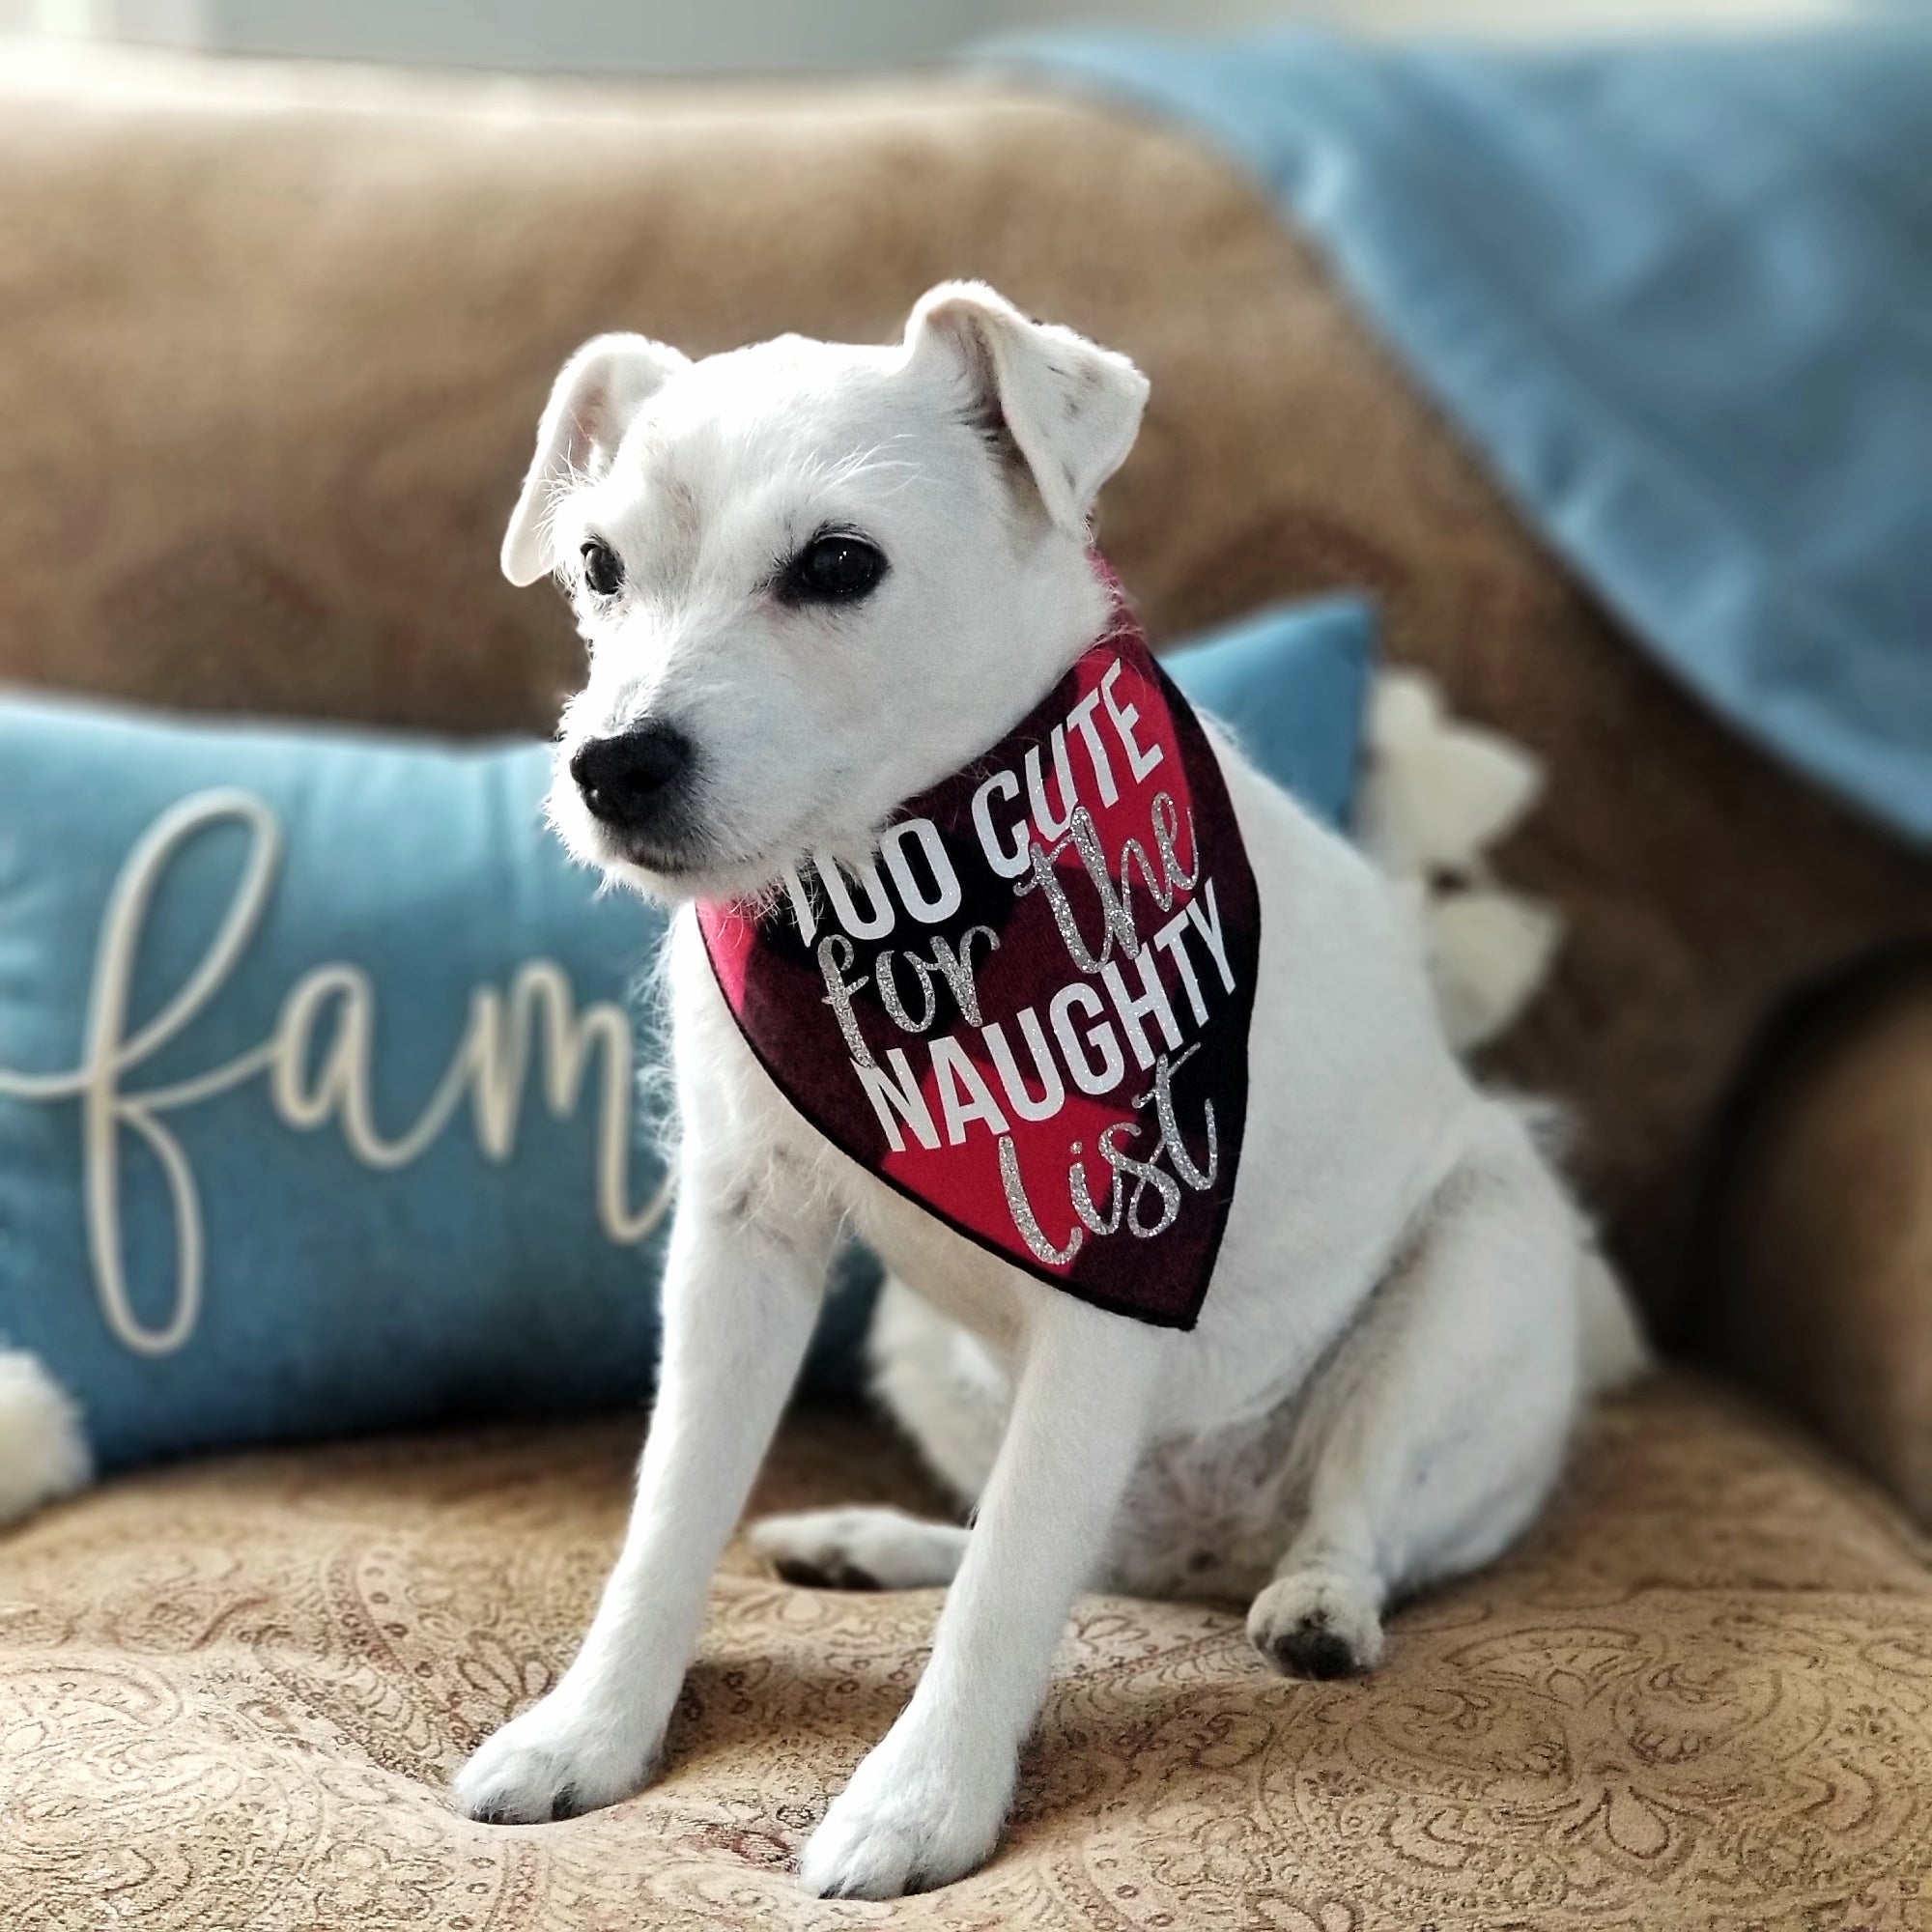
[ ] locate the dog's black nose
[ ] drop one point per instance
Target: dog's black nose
(625, 781)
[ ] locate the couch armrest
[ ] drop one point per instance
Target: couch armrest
(1820, 1222)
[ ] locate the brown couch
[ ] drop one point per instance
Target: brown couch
(271, 345)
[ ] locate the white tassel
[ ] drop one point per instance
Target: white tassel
(1436, 796)
(44, 1451)
(1489, 950)
(1614, 1350)
(1440, 793)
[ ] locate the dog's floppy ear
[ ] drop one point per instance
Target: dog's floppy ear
(600, 389)
(1070, 408)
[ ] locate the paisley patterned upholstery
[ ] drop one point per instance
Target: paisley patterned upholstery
(1701, 1696)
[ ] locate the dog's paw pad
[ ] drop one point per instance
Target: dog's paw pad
(831, 1572)
(1317, 1625)
(858, 1549)
(1310, 1649)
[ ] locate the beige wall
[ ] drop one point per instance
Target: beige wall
(1538, 17)
(679, 35)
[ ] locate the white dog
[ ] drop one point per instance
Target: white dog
(816, 578)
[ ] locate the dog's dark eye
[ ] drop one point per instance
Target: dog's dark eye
(603, 568)
(833, 570)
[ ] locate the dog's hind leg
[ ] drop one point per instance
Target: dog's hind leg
(860, 1548)
(944, 1388)
(1434, 1434)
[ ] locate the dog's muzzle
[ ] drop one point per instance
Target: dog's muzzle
(630, 783)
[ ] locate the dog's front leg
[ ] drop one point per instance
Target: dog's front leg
(926, 1805)
(743, 1281)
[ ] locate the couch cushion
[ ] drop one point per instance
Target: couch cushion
(232, 1695)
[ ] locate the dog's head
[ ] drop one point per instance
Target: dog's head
(815, 578)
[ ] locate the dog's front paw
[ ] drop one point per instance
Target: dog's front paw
(554, 1761)
(916, 1815)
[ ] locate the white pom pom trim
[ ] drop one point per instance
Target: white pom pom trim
(1615, 1352)
(1489, 950)
(44, 1451)
(1435, 795)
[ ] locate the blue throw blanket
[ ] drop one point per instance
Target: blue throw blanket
(1679, 296)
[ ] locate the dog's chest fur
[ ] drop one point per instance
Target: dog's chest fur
(1205, 1514)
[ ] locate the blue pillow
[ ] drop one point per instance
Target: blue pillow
(1293, 683)
(318, 1063)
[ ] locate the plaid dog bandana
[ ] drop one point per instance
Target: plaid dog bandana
(1029, 1011)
